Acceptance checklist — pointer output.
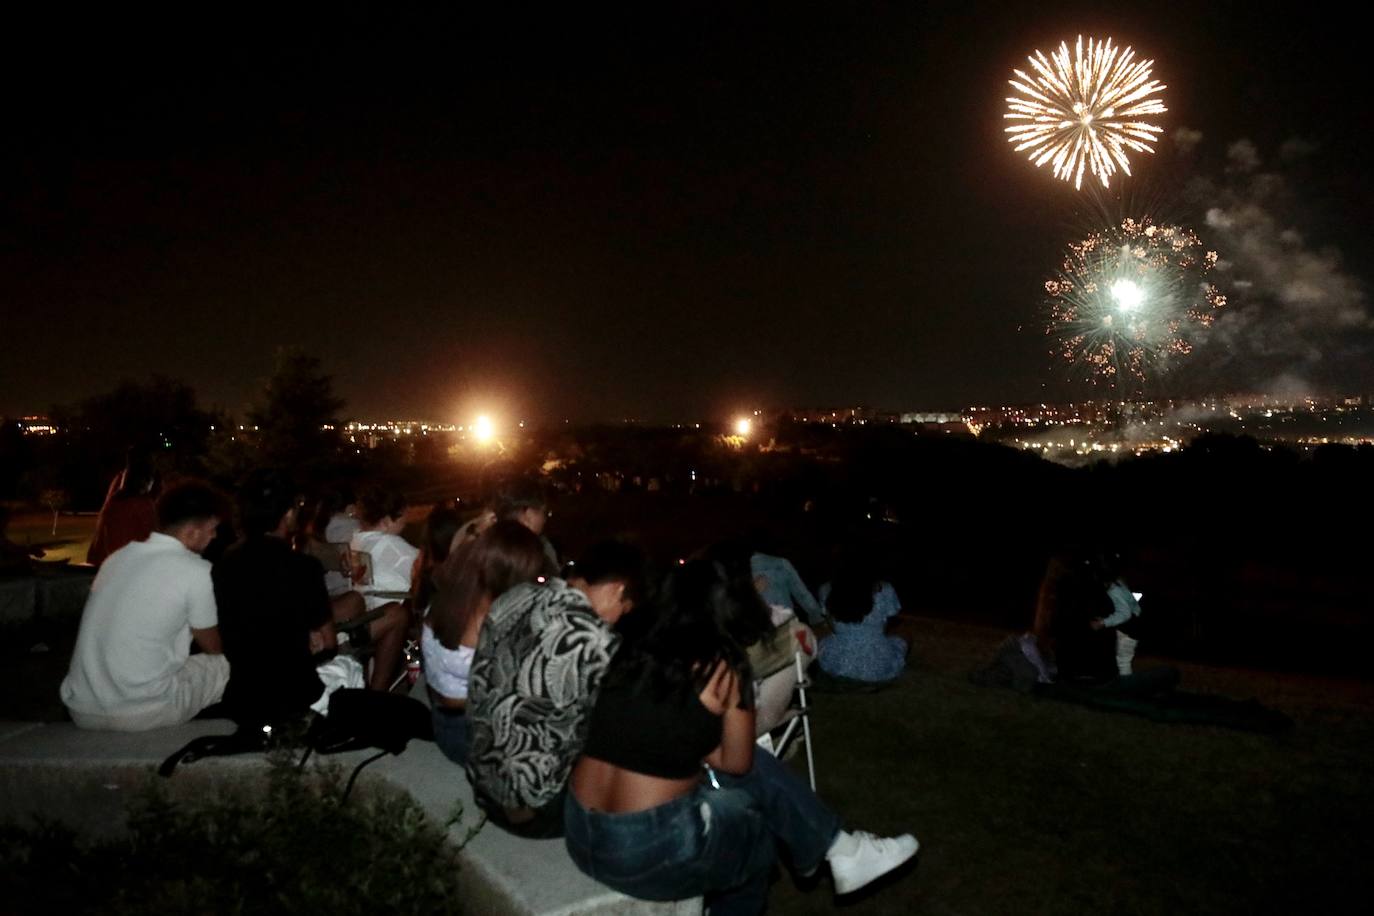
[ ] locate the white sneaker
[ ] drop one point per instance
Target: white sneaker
(860, 857)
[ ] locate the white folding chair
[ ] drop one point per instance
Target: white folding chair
(780, 703)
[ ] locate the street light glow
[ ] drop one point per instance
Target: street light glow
(742, 426)
(483, 430)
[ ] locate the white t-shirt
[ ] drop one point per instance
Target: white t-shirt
(446, 670)
(136, 628)
(393, 560)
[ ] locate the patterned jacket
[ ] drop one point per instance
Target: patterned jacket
(538, 666)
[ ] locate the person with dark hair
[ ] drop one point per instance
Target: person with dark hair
(615, 578)
(504, 556)
(132, 669)
(1076, 599)
(860, 604)
(273, 605)
(393, 561)
(1124, 620)
(441, 538)
(522, 500)
(1072, 594)
(538, 664)
(382, 516)
(129, 513)
(338, 517)
(641, 818)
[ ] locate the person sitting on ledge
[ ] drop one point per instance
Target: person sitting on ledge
(643, 817)
(522, 500)
(504, 556)
(132, 669)
(538, 665)
(273, 608)
(393, 561)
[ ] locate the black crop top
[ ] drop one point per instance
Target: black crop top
(636, 730)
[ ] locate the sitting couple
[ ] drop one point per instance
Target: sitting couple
(632, 734)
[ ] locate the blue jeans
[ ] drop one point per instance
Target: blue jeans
(720, 843)
(450, 733)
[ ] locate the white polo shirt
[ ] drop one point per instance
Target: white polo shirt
(135, 631)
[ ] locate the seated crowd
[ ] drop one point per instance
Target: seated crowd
(612, 707)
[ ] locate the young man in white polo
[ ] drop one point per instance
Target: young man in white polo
(132, 669)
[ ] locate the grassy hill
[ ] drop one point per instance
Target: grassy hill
(1025, 805)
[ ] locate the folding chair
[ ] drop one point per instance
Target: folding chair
(358, 564)
(780, 701)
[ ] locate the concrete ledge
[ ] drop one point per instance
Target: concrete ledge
(59, 594)
(18, 600)
(501, 873)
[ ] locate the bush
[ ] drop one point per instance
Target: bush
(293, 846)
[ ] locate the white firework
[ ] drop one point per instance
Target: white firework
(1083, 111)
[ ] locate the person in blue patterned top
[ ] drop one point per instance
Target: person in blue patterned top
(861, 604)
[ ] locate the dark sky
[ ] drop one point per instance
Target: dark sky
(664, 215)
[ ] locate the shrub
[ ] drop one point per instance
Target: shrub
(291, 846)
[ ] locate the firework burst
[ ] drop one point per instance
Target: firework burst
(1132, 300)
(1084, 111)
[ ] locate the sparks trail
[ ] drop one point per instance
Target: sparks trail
(1083, 111)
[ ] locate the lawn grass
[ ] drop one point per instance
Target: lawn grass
(70, 543)
(1025, 805)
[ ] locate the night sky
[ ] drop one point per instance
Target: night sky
(667, 215)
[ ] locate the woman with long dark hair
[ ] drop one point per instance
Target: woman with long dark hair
(677, 702)
(470, 579)
(861, 604)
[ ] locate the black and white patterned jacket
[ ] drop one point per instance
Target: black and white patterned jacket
(539, 662)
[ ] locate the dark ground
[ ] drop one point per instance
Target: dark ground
(1024, 805)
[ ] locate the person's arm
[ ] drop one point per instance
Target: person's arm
(722, 696)
(1124, 606)
(208, 640)
(802, 598)
(324, 639)
(319, 608)
(202, 612)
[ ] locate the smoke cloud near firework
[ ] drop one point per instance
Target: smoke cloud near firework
(1298, 319)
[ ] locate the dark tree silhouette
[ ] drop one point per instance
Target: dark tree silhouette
(296, 418)
(160, 416)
